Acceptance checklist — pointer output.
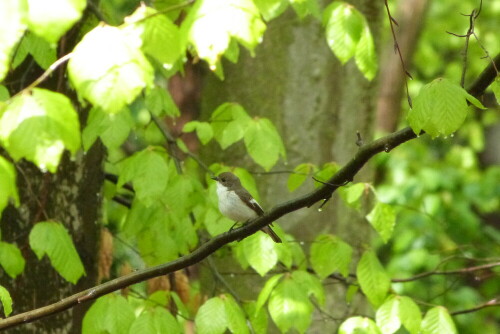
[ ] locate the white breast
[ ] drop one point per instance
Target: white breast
(231, 206)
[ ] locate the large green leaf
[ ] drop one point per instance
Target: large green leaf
(440, 108)
(211, 317)
(108, 69)
(266, 290)
(38, 126)
(6, 300)
(260, 252)
(13, 19)
(155, 321)
(311, 284)
(211, 24)
(330, 254)
(11, 259)
(109, 314)
(387, 316)
(235, 316)
(264, 143)
(229, 122)
(160, 36)
(438, 321)
(42, 51)
(203, 130)
(382, 218)
(159, 102)
(372, 278)
(344, 27)
(51, 19)
(299, 175)
(7, 184)
(410, 315)
(113, 129)
(53, 240)
(148, 172)
(290, 307)
(366, 57)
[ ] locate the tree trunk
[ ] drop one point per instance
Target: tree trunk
(317, 105)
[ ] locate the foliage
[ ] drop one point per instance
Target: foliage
(426, 207)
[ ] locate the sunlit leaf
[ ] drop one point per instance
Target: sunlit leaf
(203, 130)
(359, 325)
(51, 19)
(155, 321)
(229, 122)
(13, 20)
(264, 143)
(211, 24)
(438, 321)
(300, 175)
(271, 9)
(38, 126)
(211, 317)
(260, 252)
(236, 321)
(388, 316)
(108, 69)
(440, 108)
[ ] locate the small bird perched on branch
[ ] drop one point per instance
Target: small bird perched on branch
(236, 203)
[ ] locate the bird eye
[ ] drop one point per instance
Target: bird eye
(223, 180)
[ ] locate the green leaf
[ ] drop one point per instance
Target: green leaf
(495, 86)
(210, 25)
(359, 325)
(159, 102)
(372, 278)
(388, 316)
(203, 130)
(410, 315)
(440, 108)
(260, 252)
(352, 193)
(7, 184)
(264, 143)
(51, 19)
(211, 317)
(325, 173)
(6, 300)
(383, 218)
(266, 290)
(113, 129)
(11, 259)
(13, 19)
(42, 51)
(53, 239)
(344, 27)
(108, 69)
(366, 57)
(311, 283)
(271, 9)
(438, 321)
(236, 321)
(305, 8)
(258, 317)
(4, 93)
(38, 126)
(229, 122)
(290, 307)
(109, 314)
(160, 36)
(301, 173)
(329, 254)
(155, 321)
(148, 171)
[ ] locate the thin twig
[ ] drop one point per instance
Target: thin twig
(491, 303)
(48, 72)
(392, 21)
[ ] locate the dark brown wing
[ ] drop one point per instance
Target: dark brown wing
(249, 201)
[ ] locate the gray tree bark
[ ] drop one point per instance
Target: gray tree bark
(317, 105)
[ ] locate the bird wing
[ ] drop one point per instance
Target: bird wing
(250, 201)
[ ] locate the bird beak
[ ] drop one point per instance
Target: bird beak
(215, 178)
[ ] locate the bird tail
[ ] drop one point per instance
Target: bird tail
(269, 231)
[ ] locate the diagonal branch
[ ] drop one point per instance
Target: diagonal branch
(345, 174)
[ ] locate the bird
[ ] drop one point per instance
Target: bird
(236, 203)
